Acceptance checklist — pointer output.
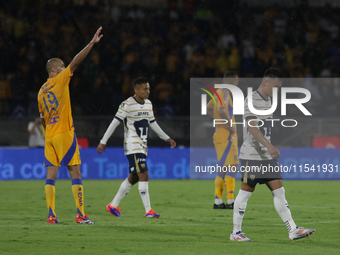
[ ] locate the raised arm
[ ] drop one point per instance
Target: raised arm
(84, 52)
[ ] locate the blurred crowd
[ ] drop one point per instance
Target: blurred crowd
(189, 38)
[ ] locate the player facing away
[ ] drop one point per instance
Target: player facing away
(225, 142)
(61, 147)
(256, 152)
(137, 115)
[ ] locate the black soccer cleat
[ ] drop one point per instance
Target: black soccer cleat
(220, 206)
(229, 206)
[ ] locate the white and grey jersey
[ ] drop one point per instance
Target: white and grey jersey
(136, 118)
(252, 149)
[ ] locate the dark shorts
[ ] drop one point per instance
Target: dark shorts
(137, 163)
(257, 171)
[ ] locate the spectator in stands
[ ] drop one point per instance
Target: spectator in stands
(140, 40)
(36, 133)
(5, 95)
(196, 65)
(211, 55)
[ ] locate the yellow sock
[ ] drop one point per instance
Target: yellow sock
(78, 194)
(218, 189)
(50, 196)
(230, 187)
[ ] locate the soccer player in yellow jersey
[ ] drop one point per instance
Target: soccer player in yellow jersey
(225, 141)
(61, 147)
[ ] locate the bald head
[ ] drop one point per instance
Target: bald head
(54, 66)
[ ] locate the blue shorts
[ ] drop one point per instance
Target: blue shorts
(137, 163)
(258, 171)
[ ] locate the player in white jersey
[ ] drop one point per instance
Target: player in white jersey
(251, 148)
(256, 153)
(137, 115)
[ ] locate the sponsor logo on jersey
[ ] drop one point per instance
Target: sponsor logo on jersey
(143, 114)
(54, 120)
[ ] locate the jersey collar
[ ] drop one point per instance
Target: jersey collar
(262, 96)
(139, 102)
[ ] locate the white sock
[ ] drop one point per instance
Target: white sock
(240, 206)
(282, 208)
(230, 201)
(218, 201)
(122, 192)
(143, 188)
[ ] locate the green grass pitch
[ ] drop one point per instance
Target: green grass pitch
(188, 224)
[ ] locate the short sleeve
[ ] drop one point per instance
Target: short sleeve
(64, 76)
(223, 98)
(41, 111)
(210, 105)
(40, 107)
(152, 116)
(220, 94)
(247, 113)
(122, 112)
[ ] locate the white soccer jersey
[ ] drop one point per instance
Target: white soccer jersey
(252, 149)
(136, 118)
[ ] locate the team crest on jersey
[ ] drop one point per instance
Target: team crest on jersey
(252, 177)
(142, 165)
